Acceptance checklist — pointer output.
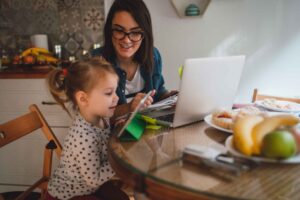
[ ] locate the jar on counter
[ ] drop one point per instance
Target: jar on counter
(5, 61)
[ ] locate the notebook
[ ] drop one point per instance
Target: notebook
(207, 84)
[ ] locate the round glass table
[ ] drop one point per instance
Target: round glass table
(154, 165)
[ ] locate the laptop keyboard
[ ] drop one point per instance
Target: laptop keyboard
(166, 118)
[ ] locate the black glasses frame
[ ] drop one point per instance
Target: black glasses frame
(128, 34)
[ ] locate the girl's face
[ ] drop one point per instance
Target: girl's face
(102, 99)
(127, 36)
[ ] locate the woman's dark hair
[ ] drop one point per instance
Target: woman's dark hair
(140, 13)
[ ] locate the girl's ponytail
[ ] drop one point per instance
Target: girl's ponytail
(56, 84)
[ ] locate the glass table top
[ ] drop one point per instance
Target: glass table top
(158, 156)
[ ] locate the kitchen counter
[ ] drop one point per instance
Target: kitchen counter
(33, 72)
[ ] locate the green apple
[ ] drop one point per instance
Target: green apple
(279, 144)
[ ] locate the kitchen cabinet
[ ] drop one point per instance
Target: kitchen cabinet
(181, 5)
(21, 161)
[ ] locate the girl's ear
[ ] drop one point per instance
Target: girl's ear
(81, 98)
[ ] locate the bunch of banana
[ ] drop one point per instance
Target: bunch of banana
(35, 51)
(40, 54)
(249, 131)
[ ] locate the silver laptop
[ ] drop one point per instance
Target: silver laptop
(207, 84)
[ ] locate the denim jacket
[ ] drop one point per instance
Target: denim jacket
(152, 80)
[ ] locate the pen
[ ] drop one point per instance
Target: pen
(153, 121)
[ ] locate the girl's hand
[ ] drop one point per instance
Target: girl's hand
(136, 100)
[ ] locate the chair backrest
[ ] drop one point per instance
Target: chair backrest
(256, 96)
(24, 125)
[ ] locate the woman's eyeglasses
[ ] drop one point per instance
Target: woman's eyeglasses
(133, 36)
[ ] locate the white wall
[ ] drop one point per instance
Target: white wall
(267, 31)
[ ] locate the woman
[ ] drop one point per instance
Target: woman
(128, 45)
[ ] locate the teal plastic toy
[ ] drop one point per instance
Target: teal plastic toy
(192, 10)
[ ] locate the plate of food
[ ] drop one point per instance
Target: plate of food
(223, 119)
(231, 149)
(208, 119)
(280, 106)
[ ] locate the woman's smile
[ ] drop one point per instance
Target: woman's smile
(126, 46)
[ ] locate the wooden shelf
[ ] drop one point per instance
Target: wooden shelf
(25, 73)
(181, 5)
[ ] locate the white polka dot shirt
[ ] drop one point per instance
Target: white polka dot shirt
(84, 164)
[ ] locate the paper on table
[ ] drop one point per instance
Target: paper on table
(167, 102)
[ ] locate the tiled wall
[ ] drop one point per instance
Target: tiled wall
(74, 24)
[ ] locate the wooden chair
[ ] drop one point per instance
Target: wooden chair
(256, 96)
(24, 125)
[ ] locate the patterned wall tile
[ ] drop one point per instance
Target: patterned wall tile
(91, 37)
(74, 24)
(27, 24)
(69, 4)
(47, 22)
(69, 20)
(93, 18)
(45, 4)
(87, 4)
(22, 4)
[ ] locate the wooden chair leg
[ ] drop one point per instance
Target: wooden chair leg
(48, 155)
(254, 95)
(47, 167)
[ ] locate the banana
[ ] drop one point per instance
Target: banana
(35, 51)
(268, 125)
(41, 50)
(26, 52)
(242, 133)
(47, 58)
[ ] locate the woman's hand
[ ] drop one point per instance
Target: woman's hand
(136, 100)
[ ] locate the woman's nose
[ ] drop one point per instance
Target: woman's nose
(126, 39)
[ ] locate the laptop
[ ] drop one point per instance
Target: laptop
(207, 84)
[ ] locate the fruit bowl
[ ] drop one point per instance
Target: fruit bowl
(231, 149)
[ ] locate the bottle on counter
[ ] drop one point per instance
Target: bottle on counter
(57, 51)
(4, 59)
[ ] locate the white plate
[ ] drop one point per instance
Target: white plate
(295, 106)
(208, 120)
(233, 151)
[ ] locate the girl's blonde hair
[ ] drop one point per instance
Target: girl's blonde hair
(80, 76)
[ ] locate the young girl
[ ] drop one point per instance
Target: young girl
(84, 169)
